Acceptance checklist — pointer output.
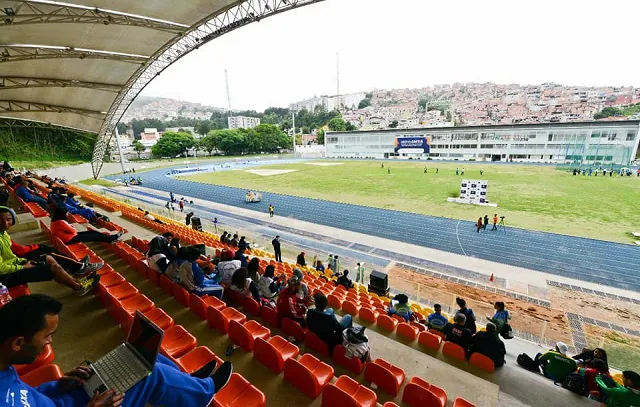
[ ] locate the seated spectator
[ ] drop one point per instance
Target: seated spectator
(437, 320)
(457, 332)
(69, 235)
(470, 323)
(227, 267)
(6, 166)
(252, 270)
(269, 286)
(54, 199)
(234, 241)
(399, 305)
(241, 283)
(187, 220)
(501, 316)
(598, 367)
(319, 266)
(239, 255)
(29, 323)
(223, 237)
(191, 276)
(555, 364)
(28, 196)
(587, 356)
(75, 208)
(343, 280)
(300, 259)
(4, 195)
(291, 306)
(322, 322)
(152, 218)
(304, 289)
(161, 253)
(621, 396)
(243, 244)
(489, 344)
(16, 271)
(38, 252)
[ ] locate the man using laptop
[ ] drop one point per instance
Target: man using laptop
(27, 325)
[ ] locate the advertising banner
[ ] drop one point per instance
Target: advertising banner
(418, 144)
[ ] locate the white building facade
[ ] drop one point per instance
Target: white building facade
(585, 143)
(242, 122)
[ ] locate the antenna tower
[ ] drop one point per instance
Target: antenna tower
(338, 81)
(226, 79)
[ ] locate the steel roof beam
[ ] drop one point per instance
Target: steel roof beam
(25, 52)
(19, 106)
(20, 82)
(226, 20)
(46, 12)
(24, 123)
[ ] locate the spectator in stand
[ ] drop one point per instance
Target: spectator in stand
(28, 196)
(187, 220)
(457, 332)
(598, 367)
(29, 323)
(69, 235)
(152, 218)
(252, 270)
(501, 316)
(241, 283)
(322, 322)
(399, 305)
(319, 266)
(191, 276)
(291, 306)
(161, 253)
(4, 195)
(6, 166)
(619, 396)
(470, 322)
(53, 198)
(223, 237)
(437, 320)
(300, 259)
(75, 208)
(239, 255)
(587, 356)
(489, 344)
(276, 249)
(243, 244)
(227, 267)
(343, 280)
(555, 364)
(16, 271)
(234, 241)
(38, 252)
(269, 286)
(304, 289)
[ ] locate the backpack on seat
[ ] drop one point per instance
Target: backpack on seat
(576, 383)
(525, 361)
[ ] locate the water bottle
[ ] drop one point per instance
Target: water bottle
(5, 297)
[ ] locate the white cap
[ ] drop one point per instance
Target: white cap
(562, 347)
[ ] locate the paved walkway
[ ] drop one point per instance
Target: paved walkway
(599, 262)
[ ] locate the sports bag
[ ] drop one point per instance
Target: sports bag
(525, 361)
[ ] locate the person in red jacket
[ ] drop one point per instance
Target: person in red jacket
(291, 306)
(598, 367)
(61, 229)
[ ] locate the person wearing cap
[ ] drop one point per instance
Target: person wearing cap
(344, 280)
(622, 396)
(16, 271)
(291, 306)
(304, 290)
(399, 305)
(300, 259)
(555, 364)
(457, 332)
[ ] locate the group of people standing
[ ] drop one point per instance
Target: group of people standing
(482, 223)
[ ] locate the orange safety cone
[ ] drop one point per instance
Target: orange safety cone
(491, 278)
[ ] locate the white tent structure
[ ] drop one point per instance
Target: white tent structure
(81, 65)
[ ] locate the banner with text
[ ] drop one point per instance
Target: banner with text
(420, 144)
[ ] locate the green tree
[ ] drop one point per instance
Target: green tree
(608, 111)
(122, 127)
(210, 142)
(203, 127)
(172, 144)
(232, 141)
(138, 147)
(366, 102)
(337, 124)
(306, 130)
(320, 137)
(273, 139)
(393, 124)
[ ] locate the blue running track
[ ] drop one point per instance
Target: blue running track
(596, 261)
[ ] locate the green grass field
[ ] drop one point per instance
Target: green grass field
(531, 197)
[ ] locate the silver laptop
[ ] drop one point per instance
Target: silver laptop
(130, 362)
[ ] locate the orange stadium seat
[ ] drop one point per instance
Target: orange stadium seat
(385, 375)
(387, 323)
(270, 316)
(199, 305)
(293, 328)
(181, 295)
(483, 362)
(407, 331)
(354, 365)
(196, 359)
(351, 307)
(251, 306)
(177, 341)
(369, 315)
(454, 351)
(308, 374)
(41, 375)
(274, 352)
(219, 319)
(348, 393)
(239, 393)
(460, 402)
(419, 393)
(313, 342)
(437, 333)
(429, 340)
(334, 301)
(45, 357)
(166, 284)
(245, 335)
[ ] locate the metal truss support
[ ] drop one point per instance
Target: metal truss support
(20, 82)
(20, 123)
(45, 11)
(208, 29)
(17, 106)
(19, 52)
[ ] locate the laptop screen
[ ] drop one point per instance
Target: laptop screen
(145, 337)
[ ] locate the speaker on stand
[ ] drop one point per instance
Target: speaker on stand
(379, 283)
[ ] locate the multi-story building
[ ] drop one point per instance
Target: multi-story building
(349, 101)
(584, 143)
(242, 122)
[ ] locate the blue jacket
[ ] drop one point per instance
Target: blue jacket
(15, 393)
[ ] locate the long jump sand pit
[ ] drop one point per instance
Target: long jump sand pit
(268, 173)
(324, 164)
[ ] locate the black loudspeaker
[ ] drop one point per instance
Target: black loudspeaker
(379, 283)
(196, 223)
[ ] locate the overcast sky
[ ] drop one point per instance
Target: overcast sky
(410, 43)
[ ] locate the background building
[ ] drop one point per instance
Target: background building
(585, 143)
(242, 122)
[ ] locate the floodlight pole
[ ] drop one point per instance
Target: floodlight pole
(293, 121)
(115, 129)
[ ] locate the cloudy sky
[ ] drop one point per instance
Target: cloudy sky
(410, 43)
